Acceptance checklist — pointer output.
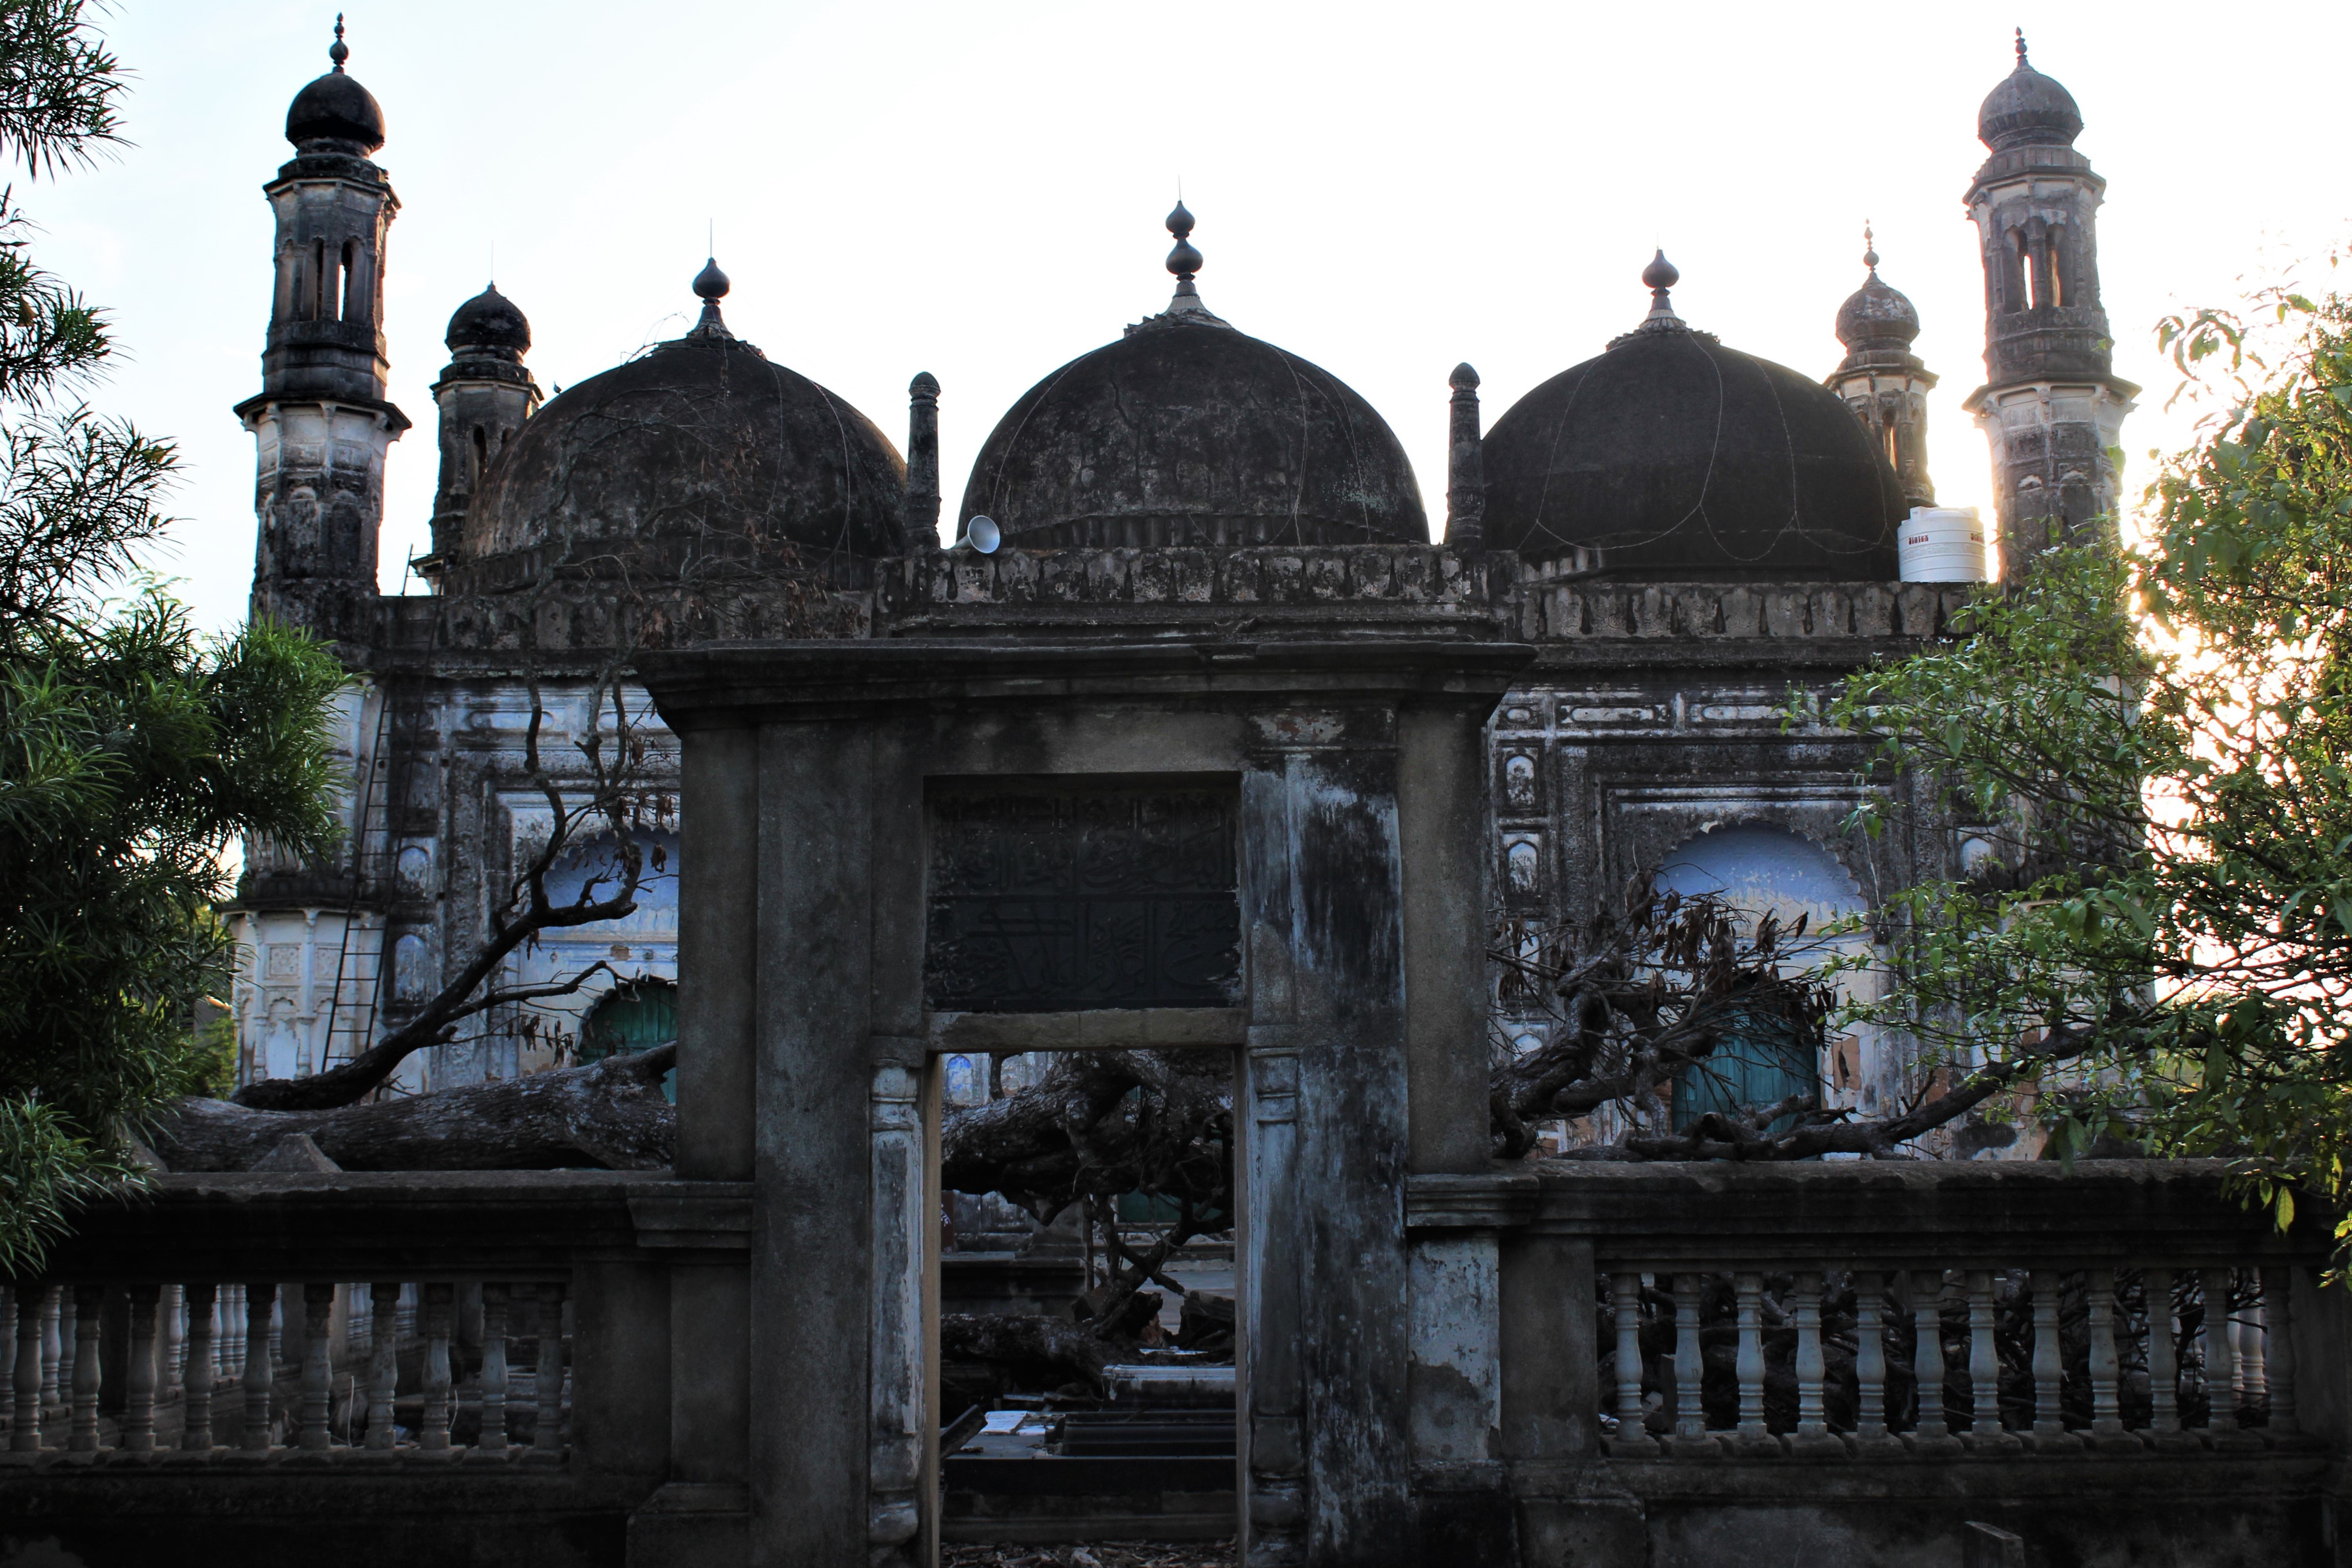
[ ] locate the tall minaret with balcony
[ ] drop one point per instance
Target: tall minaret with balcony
(1882, 381)
(2052, 407)
(483, 395)
(320, 420)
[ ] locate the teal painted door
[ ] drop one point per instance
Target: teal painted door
(635, 1017)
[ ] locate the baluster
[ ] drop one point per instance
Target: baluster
(2221, 1399)
(1631, 1439)
(52, 1308)
(547, 1433)
(1813, 1435)
(196, 1372)
(227, 1364)
(2222, 1429)
(313, 1436)
(440, 1308)
(2107, 1434)
(1984, 1370)
(170, 1333)
(492, 1443)
(138, 1375)
(1690, 1369)
(1873, 1401)
(1933, 1435)
(1754, 1437)
(2253, 1370)
(67, 1345)
(383, 1362)
(25, 1410)
(2278, 1322)
(2163, 1365)
(2050, 1434)
(89, 1323)
(260, 1307)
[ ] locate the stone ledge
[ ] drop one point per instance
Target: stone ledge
(1916, 1214)
(363, 1225)
(1483, 1201)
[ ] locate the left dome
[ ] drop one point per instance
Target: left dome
(698, 448)
(1188, 431)
(488, 320)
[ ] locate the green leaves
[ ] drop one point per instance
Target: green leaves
(2156, 745)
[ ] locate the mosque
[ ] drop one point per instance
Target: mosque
(1679, 530)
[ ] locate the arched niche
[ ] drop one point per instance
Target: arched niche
(1761, 869)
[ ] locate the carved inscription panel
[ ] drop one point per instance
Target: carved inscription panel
(1059, 894)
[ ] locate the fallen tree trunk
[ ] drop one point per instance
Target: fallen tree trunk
(609, 1114)
(1040, 1349)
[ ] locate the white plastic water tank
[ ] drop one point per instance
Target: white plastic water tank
(1943, 544)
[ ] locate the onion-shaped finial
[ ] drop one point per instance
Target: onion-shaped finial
(339, 51)
(1660, 275)
(1869, 248)
(1183, 260)
(1463, 378)
(2020, 47)
(710, 286)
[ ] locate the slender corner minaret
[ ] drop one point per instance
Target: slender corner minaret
(1466, 479)
(320, 420)
(1882, 381)
(484, 394)
(922, 504)
(2052, 407)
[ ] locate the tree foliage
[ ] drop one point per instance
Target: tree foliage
(2150, 747)
(132, 751)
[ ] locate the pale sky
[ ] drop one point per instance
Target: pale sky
(978, 189)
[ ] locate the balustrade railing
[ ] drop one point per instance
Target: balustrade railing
(303, 1373)
(1912, 1311)
(489, 1320)
(1882, 1362)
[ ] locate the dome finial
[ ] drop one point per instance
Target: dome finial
(711, 287)
(339, 51)
(1184, 261)
(1660, 276)
(1869, 250)
(2020, 48)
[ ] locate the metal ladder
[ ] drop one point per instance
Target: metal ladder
(358, 964)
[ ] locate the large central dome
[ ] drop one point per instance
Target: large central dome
(1188, 431)
(699, 448)
(1671, 456)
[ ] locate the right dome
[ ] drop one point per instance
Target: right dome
(2027, 110)
(1671, 457)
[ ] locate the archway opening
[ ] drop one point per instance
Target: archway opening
(1762, 871)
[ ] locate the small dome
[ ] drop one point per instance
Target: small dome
(1672, 457)
(1188, 431)
(335, 108)
(699, 448)
(488, 320)
(1875, 316)
(1193, 434)
(2027, 110)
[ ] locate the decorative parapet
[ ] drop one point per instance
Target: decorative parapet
(1592, 610)
(1391, 586)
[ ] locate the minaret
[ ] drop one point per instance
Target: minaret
(2052, 407)
(320, 420)
(483, 395)
(1882, 381)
